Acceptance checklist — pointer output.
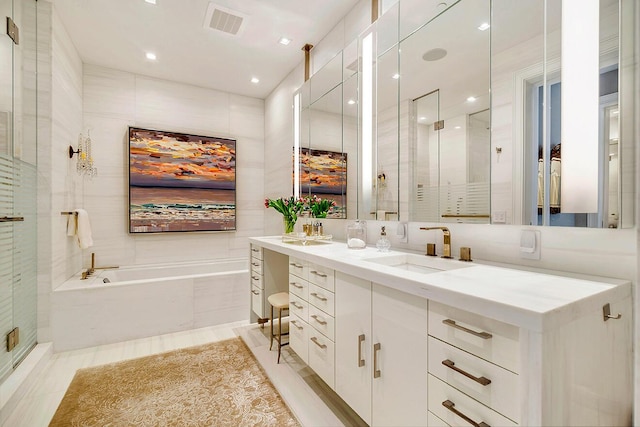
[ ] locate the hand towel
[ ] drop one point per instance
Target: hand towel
(72, 224)
(83, 229)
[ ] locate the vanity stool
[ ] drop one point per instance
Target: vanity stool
(280, 302)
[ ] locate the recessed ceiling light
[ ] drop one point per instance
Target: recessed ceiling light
(484, 26)
(255, 80)
(434, 54)
(396, 76)
(471, 99)
(151, 1)
(457, 127)
(351, 102)
(285, 41)
(151, 56)
(422, 119)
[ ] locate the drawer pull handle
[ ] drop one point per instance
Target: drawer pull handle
(452, 323)
(315, 341)
(293, 264)
(255, 292)
(296, 305)
(318, 274)
(255, 250)
(255, 277)
(320, 297)
(295, 323)
(318, 319)
(360, 359)
(376, 371)
(255, 264)
(480, 380)
(295, 285)
(451, 406)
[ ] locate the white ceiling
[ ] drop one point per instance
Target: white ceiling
(117, 33)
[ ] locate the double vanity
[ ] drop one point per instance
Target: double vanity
(406, 339)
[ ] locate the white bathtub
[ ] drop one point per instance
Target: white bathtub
(148, 300)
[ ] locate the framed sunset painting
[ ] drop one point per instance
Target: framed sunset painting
(324, 173)
(181, 182)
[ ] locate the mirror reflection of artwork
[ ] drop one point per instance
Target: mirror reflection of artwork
(180, 182)
(324, 174)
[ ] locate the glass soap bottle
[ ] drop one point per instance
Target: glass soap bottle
(357, 235)
(383, 243)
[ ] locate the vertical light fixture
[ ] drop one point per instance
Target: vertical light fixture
(367, 121)
(296, 145)
(579, 111)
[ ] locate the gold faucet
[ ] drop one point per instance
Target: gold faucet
(446, 249)
(93, 268)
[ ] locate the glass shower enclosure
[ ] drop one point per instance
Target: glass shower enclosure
(18, 183)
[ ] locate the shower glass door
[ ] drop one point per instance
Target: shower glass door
(18, 238)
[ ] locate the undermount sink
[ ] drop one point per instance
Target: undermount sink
(419, 263)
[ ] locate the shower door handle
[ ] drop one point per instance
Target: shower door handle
(11, 218)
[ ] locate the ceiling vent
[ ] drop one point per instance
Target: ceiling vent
(222, 19)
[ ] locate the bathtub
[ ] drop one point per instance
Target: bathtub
(140, 301)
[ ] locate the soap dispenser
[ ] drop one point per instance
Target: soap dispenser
(383, 243)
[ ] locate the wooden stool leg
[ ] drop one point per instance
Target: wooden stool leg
(271, 322)
(279, 333)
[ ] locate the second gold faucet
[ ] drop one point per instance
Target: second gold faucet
(446, 248)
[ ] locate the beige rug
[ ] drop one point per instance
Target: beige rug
(217, 384)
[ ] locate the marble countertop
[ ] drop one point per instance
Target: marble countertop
(537, 301)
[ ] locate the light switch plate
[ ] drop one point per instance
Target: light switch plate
(499, 217)
(530, 244)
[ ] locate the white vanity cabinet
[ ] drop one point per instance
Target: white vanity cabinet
(268, 275)
(381, 352)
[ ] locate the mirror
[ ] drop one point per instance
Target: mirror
(444, 88)
(533, 154)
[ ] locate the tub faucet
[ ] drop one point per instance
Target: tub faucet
(93, 268)
(446, 249)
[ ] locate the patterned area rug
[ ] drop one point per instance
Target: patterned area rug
(217, 384)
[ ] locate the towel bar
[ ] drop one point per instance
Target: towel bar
(69, 213)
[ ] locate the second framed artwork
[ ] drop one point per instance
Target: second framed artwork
(181, 182)
(324, 174)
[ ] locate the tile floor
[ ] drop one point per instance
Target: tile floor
(308, 397)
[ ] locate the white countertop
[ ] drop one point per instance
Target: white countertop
(531, 300)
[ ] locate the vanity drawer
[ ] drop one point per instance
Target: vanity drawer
(434, 421)
(321, 298)
(489, 339)
(299, 287)
(256, 280)
(299, 307)
(256, 265)
(322, 357)
(256, 301)
(322, 322)
(322, 276)
(441, 394)
(500, 394)
(256, 252)
(299, 337)
(298, 268)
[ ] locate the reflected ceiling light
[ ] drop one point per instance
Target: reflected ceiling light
(471, 99)
(434, 54)
(422, 119)
(441, 6)
(151, 56)
(255, 80)
(285, 41)
(484, 26)
(351, 102)
(614, 112)
(458, 127)
(151, 1)
(396, 76)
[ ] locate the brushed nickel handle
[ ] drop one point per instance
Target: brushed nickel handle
(360, 359)
(376, 371)
(452, 323)
(295, 285)
(293, 264)
(295, 323)
(318, 319)
(320, 297)
(296, 305)
(11, 218)
(318, 274)
(255, 292)
(315, 341)
(480, 380)
(451, 406)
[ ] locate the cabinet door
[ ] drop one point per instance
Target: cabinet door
(399, 324)
(353, 343)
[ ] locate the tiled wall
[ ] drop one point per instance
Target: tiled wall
(114, 100)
